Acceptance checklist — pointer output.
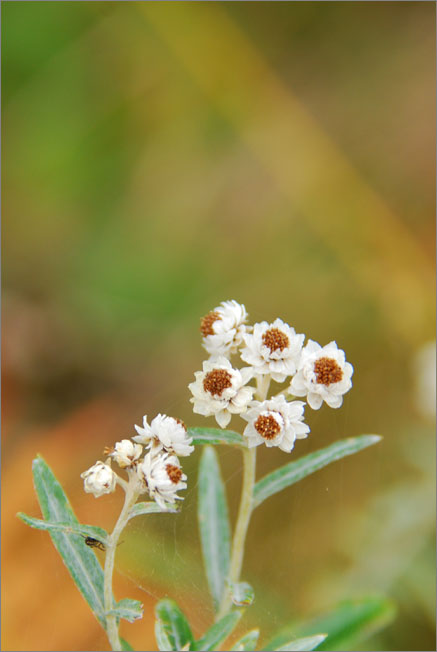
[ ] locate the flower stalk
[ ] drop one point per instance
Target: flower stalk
(130, 499)
(244, 514)
(245, 509)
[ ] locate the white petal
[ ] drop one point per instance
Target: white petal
(222, 418)
(334, 401)
(297, 386)
(314, 400)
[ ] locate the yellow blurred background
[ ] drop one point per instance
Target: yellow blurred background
(159, 158)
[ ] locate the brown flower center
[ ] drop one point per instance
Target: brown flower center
(181, 423)
(275, 339)
(328, 371)
(216, 381)
(267, 426)
(207, 322)
(174, 473)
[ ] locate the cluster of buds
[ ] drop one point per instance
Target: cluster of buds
(271, 351)
(150, 460)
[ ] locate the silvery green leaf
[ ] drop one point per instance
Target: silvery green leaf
(218, 632)
(128, 609)
(84, 530)
(301, 644)
(247, 643)
(162, 639)
(299, 469)
(150, 508)
(214, 527)
(346, 624)
(242, 594)
(175, 626)
(216, 436)
(79, 559)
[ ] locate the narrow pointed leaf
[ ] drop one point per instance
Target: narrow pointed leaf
(301, 644)
(216, 436)
(247, 643)
(351, 622)
(242, 594)
(79, 559)
(174, 624)
(128, 609)
(214, 527)
(346, 624)
(299, 469)
(218, 632)
(125, 646)
(150, 508)
(84, 530)
(162, 639)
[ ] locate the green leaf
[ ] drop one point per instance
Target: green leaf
(174, 625)
(214, 527)
(216, 436)
(84, 530)
(79, 559)
(128, 609)
(301, 644)
(299, 469)
(162, 639)
(346, 624)
(150, 508)
(125, 646)
(218, 632)
(247, 643)
(242, 594)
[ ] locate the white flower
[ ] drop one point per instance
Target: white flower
(323, 375)
(99, 479)
(223, 328)
(165, 433)
(273, 349)
(275, 423)
(220, 390)
(162, 475)
(125, 453)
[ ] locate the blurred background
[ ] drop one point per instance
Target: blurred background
(160, 158)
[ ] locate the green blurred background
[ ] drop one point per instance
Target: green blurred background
(159, 158)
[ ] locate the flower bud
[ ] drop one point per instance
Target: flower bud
(99, 479)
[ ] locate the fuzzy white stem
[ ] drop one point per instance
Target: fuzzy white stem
(245, 510)
(130, 499)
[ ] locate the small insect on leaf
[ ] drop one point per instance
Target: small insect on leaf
(94, 543)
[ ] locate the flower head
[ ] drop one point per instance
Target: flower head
(323, 375)
(125, 453)
(220, 390)
(275, 423)
(162, 476)
(165, 433)
(273, 349)
(99, 479)
(223, 328)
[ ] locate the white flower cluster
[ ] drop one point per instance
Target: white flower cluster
(272, 351)
(157, 473)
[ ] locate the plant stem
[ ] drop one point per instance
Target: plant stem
(244, 513)
(111, 620)
(245, 510)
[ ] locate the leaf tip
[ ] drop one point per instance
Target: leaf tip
(373, 439)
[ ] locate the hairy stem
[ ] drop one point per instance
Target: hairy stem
(244, 513)
(111, 620)
(245, 509)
